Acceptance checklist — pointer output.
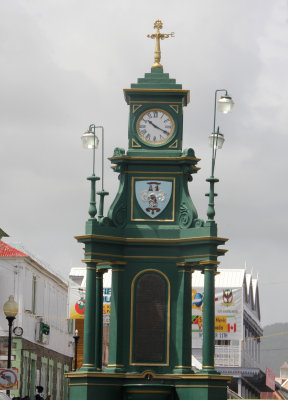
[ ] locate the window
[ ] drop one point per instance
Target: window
(70, 326)
(223, 342)
(59, 381)
(50, 384)
(25, 373)
(34, 285)
(43, 375)
(65, 383)
(33, 374)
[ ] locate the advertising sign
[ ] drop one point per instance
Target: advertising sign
(228, 306)
(77, 304)
(8, 378)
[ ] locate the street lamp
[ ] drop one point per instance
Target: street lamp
(91, 141)
(76, 338)
(216, 141)
(10, 309)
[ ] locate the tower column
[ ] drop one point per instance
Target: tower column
(183, 325)
(99, 317)
(89, 321)
(208, 346)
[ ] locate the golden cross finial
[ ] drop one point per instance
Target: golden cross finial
(158, 35)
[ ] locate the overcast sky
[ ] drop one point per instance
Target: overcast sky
(64, 65)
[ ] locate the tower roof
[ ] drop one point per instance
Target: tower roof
(156, 79)
(160, 86)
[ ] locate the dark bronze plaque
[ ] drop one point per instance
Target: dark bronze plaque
(150, 319)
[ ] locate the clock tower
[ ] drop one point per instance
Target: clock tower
(153, 240)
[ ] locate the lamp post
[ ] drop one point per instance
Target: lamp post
(91, 141)
(10, 309)
(76, 338)
(216, 140)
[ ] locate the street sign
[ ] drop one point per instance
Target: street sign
(8, 378)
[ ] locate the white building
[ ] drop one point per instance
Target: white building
(237, 328)
(43, 353)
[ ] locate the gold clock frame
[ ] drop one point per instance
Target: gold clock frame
(162, 142)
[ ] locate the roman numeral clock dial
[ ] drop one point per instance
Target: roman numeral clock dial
(155, 127)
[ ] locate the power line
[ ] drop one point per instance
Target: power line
(283, 348)
(265, 336)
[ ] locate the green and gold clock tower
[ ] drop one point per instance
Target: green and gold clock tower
(153, 240)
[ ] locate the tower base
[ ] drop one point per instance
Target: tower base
(146, 386)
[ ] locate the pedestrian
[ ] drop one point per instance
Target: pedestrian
(39, 391)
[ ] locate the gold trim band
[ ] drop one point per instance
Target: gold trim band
(179, 91)
(154, 102)
(184, 270)
(150, 364)
(94, 384)
(151, 257)
(201, 386)
(209, 262)
(155, 172)
(88, 365)
(152, 240)
(120, 384)
(135, 108)
(143, 374)
(148, 391)
(155, 158)
(115, 365)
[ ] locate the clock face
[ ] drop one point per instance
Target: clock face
(18, 331)
(155, 126)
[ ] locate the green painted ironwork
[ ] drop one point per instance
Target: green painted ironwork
(89, 319)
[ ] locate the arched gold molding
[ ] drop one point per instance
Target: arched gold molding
(168, 318)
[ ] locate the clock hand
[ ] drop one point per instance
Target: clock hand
(157, 127)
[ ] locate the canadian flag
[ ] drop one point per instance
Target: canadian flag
(231, 327)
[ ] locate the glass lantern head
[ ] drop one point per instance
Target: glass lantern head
(89, 140)
(225, 104)
(216, 140)
(10, 308)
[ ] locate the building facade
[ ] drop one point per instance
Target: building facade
(43, 350)
(237, 329)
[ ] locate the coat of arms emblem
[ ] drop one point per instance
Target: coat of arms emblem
(228, 297)
(153, 196)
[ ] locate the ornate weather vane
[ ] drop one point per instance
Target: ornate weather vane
(158, 35)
